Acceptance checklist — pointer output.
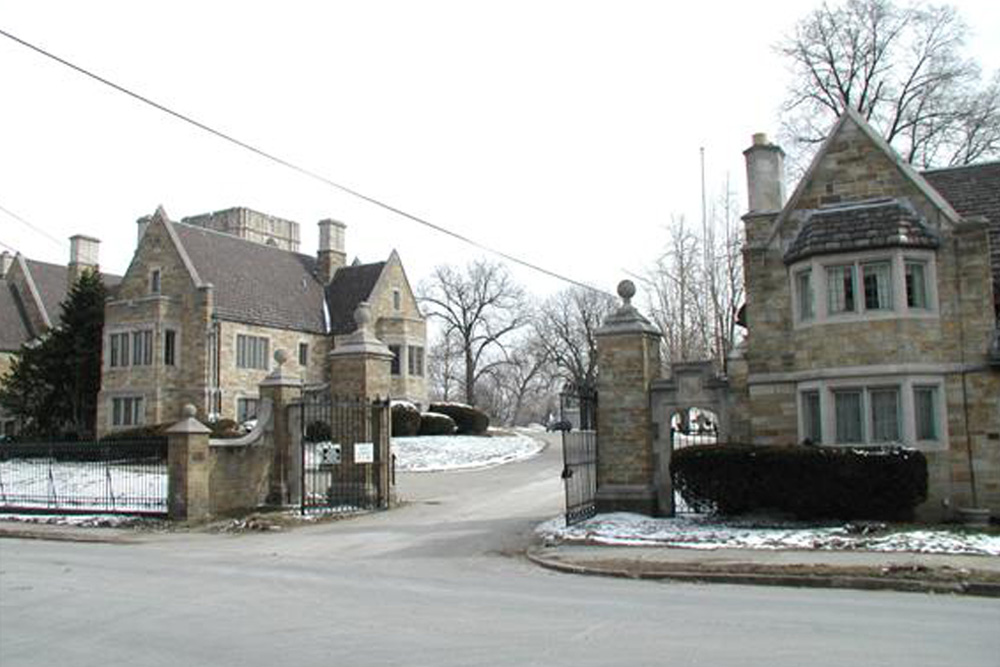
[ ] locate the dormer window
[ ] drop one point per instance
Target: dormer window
(154, 281)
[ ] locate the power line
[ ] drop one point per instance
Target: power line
(11, 248)
(294, 167)
(32, 227)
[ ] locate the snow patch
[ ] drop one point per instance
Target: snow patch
(459, 452)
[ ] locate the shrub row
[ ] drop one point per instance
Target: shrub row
(468, 420)
(807, 482)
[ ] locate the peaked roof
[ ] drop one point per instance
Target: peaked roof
(14, 330)
(254, 283)
(350, 286)
(851, 116)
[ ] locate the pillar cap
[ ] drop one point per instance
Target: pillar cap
(627, 319)
(189, 425)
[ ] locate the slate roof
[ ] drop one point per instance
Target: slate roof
(881, 223)
(973, 190)
(255, 283)
(13, 326)
(350, 286)
(50, 281)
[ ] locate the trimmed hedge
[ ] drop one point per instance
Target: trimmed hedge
(405, 420)
(434, 423)
(807, 482)
(468, 420)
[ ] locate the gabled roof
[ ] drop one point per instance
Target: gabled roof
(254, 283)
(851, 116)
(879, 223)
(14, 330)
(350, 286)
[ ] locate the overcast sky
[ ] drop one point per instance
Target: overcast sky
(565, 133)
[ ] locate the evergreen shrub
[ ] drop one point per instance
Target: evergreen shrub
(807, 482)
(405, 420)
(434, 423)
(468, 420)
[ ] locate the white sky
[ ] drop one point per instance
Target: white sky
(566, 133)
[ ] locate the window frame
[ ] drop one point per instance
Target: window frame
(127, 411)
(396, 363)
(252, 352)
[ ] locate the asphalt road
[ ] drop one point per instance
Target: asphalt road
(440, 582)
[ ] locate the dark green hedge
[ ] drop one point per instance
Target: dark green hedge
(468, 420)
(433, 423)
(405, 420)
(807, 482)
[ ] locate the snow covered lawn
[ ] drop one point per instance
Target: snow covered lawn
(55, 485)
(703, 532)
(461, 452)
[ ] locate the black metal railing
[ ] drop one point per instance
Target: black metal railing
(346, 459)
(126, 477)
(579, 440)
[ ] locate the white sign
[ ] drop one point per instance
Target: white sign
(364, 452)
(329, 454)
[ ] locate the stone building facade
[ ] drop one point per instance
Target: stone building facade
(201, 311)
(871, 311)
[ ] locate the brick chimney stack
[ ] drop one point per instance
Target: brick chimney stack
(765, 175)
(331, 255)
(83, 256)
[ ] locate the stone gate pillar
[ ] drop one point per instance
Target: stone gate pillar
(281, 390)
(628, 353)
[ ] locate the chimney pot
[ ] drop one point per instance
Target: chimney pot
(765, 175)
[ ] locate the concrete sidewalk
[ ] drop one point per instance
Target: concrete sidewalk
(898, 571)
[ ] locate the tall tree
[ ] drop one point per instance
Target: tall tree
(54, 381)
(902, 68)
(565, 326)
(480, 307)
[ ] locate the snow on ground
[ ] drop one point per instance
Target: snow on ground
(48, 484)
(461, 452)
(704, 532)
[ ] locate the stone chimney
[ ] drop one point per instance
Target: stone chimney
(765, 175)
(83, 254)
(331, 255)
(6, 260)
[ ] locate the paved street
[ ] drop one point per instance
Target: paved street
(440, 582)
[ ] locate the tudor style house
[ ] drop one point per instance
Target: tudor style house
(206, 302)
(873, 296)
(31, 293)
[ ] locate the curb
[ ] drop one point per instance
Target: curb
(845, 581)
(33, 533)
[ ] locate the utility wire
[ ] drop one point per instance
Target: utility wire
(33, 227)
(11, 248)
(294, 167)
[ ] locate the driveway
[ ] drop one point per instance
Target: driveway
(440, 581)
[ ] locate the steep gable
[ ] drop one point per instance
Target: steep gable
(855, 164)
(350, 286)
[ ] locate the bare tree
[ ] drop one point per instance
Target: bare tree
(697, 286)
(902, 69)
(565, 326)
(444, 372)
(479, 307)
(680, 300)
(520, 385)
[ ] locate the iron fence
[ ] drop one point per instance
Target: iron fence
(680, 439)
(346, 460)
(579, 440)
(121, 477)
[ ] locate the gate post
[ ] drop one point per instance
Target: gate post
(628, 353)
(360, 368)
(282, 390)
(188, 469)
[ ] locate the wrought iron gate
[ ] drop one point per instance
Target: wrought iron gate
(681, 440)
(579, 439)
(346, 459)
